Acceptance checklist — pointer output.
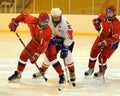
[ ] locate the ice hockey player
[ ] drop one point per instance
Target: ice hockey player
(106, 43)
(62, 41)
(41, 34)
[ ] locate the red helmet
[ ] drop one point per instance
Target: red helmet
(43, 16)
(110, 8)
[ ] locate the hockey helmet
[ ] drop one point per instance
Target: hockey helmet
(43, 20)
(43, 16)
(56, 15)
(110, 12)
(56, 12)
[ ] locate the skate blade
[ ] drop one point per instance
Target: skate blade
(97, 76)
(88, 76)
(36, 77)
(14, 81)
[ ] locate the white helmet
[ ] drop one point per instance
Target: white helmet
(55, 12)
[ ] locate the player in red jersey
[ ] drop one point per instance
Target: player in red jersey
(41, 34)
(107, 41)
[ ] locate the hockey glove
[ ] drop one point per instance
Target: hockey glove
(34, 58)
(13, 24)
(64, 52)
(102, 44)
(96, 24)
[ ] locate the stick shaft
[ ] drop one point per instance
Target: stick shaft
(66, 71)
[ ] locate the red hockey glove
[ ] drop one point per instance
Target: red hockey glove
(13, 24)
(96, 24)
(34, 58)
(102, 44)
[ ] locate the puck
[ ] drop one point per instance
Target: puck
(59, 89)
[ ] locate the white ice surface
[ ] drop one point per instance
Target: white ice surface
(10, 48)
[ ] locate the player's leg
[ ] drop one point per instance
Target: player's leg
(43, 69)
(70, 63)
(46, 62)
(20, 67)
(22, 62)
(102, 65)
(105, 54)
(52, 57)
(93, 57)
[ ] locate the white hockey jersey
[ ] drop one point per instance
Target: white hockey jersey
(64, 30)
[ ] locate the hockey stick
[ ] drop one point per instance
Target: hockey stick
(29, 54)
(66, 71)
(73, 84)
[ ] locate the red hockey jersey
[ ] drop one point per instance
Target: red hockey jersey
(40, 36)
(111, 29)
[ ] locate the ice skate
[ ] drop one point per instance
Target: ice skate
(89, 72)
(38, 74)
(15, 76)
(98, 74)
(61, 79)
(72, 78)
(101, 71)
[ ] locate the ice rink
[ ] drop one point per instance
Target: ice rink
(10, 48)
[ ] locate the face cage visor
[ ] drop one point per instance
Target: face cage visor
(44, 23)
(110, 14)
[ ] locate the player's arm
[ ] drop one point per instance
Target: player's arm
(97, 23)
(113, 39)
(110, 41)
(68, 40)
(68, 34)
(24, 18)
(115, 34)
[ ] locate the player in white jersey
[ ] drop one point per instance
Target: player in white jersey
(62, 41)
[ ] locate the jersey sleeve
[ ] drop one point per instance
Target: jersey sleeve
(26, 18)
(68, 34)
(100, 16)
(115, 33)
